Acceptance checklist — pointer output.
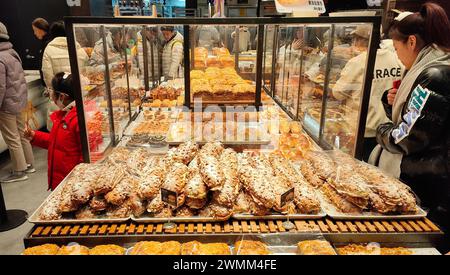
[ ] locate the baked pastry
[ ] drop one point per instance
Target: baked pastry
(156, 248)
(195, 187)
(98, 203)
(118, 212)
(73, 250)
(197, 248)
(156, 205)
(337, 200)
(220, 51)
(315, 247)
(197, 74)
(230, 189)
(108, 179)
(245, 204)
(110, 249)
(226, 61)
(166, 212)
(213, 61)
(248, 247)
(196, 203)
(184, 153)
(177, 178)
(211, 171)
(85, 213)
(184, 212)
(136, 205)
(45, 249)
(149, 185)
(122, 190)
(355, 249)
(51, 210)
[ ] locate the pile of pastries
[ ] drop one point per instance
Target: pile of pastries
(353, 187)
(220, 84)
(74, 249)
(163, 93)
(152, 127)
(243, 247)
(220, 58)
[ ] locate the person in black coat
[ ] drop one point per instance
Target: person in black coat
(416, 144)
(41, 29)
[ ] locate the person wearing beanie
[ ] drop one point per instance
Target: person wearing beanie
(63, 142)
(13, 100)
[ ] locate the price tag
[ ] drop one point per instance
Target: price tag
(305, 5)
(169, 197)
(287, 197)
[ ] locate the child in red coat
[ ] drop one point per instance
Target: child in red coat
(63, 141)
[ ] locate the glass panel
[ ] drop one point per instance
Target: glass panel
(313, 67)
(349, 61)
(223, 64)
(268, 55)
(153, 46)
(280, 63)
(93, 74)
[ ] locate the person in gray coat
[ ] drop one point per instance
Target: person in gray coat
(13, 100)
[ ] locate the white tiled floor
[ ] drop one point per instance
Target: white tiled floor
(26, 195)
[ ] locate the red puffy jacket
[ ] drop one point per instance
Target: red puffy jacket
(63, 144)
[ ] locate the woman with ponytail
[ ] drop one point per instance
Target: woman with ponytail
(415, 146)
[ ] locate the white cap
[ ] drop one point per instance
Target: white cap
(3, 31)
(403, 15)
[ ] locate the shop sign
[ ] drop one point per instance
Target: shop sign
(73, 3)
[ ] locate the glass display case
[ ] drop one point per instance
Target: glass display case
(303, 64)
(322, 76)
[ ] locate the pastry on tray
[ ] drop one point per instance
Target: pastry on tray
(45, 249)
(197, 248)
(249, 247)
(110, 249)
(73, 250)
(356, 249)
(315, 247)
(156, 248)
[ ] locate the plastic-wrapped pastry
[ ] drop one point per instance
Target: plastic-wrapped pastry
(197, 248)
(177, 178)
(249, 247)
(315, 247)
(109, 249)
(85, 213)
(184, 153)
(108, 179)
(322, 164)
(118, 212)
(184, 212)
(45, 249)
(136, 205)
(156, 205)
(245, 204)
(337, 200)
(195, 203)
(156, 248)
(122, 191)
(150, 184)
(195, 187)
(98, 203)
(211, 171)
(51, 210)
(73, 250)
(66, 204)
(166, 212)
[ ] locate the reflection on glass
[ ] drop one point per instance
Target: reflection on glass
(223, 64)
(349, 56)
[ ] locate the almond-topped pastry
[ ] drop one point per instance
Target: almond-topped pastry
(108, 179)
(177, 178)
(211, 171)
(196, 203)
(122, 190)
(184, 153)
(150, 184)
(195, 187)
(156, 205)
(51, 210)
(85, 213)
(98, 203)
(184, 212)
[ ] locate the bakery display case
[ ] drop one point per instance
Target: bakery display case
(257, 180)
(322, 76)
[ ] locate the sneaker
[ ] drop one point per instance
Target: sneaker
(30, 169)
(14, 177)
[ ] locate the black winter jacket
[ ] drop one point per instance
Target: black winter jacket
(426, 149)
